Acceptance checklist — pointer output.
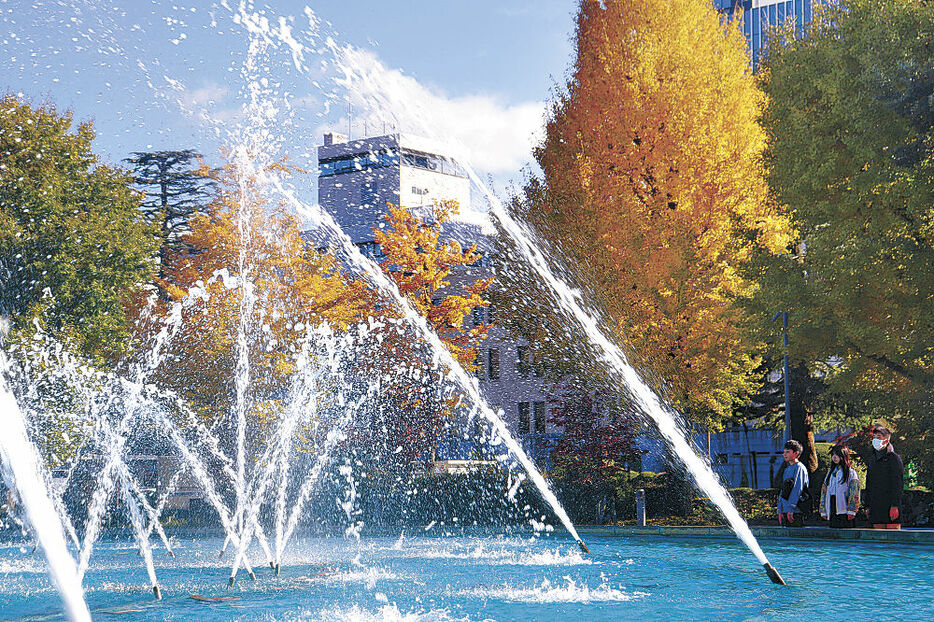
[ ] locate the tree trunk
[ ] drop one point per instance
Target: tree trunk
(802, 420)
(802, 430)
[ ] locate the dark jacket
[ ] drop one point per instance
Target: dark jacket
(885, 479)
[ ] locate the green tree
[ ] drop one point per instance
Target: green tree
(851, 128)
(73, 243)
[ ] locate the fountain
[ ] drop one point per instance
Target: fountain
(387, 97)
(238, 487)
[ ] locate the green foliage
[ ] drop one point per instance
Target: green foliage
(73, 244)
(851, 126)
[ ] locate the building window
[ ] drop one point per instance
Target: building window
(478, 361)
(356, 162)
(369, 194)
(432, 162)
(492, 363)
(371, 249)
(539, 412)
(721, 459)
(525, 426)
(522, 360)
(480, 316)
(526, 363)
(483, 262)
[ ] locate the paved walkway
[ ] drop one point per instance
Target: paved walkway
(901, 536)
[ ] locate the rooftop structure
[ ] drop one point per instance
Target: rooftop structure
(357, 178)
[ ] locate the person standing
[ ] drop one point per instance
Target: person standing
(794, 487)
(839, 494)
(885, 479)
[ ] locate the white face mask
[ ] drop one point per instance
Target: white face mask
(878, 444)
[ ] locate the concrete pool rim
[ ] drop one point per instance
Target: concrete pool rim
(899, 536)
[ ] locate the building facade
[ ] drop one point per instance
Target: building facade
(356, 179)
(758, 16)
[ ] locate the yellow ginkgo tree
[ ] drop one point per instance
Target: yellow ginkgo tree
(653, 187)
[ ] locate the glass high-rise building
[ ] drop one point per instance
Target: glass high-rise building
(760, 15)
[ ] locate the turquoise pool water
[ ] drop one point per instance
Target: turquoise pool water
(424, 578)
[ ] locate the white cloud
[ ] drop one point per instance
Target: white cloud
(209, 95)
(493, 137)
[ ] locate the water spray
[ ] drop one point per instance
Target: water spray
(20, 471)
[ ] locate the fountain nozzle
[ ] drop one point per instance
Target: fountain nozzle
(773, 574)
(232, 581)
(252, 576)
(157, 592)
(272, 565)
(583, 546)
(278, 569)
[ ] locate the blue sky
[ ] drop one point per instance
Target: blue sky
(166, 75)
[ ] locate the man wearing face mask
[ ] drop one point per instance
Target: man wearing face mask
(884, 482)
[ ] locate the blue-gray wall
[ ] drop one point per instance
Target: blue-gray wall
(759, 15)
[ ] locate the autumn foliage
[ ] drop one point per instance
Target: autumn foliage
(654, 188)
(431, 272)
(598, 443)
(421, 263)
(292, 288)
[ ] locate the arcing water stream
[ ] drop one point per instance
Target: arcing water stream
(254, 165)
(21, 467)
(379, 93)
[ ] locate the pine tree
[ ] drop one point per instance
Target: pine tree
(177, 187)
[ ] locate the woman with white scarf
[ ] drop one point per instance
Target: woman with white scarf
(839, 495)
